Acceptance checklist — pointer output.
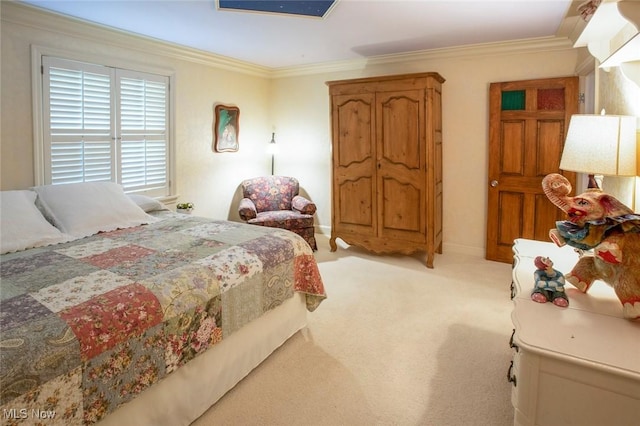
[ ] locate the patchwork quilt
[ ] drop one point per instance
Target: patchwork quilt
(89, 324)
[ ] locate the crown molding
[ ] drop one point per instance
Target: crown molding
(32, 17)
(532, 45)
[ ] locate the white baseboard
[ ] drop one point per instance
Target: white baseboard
(446, 247)
(323, 229)
(462, 249)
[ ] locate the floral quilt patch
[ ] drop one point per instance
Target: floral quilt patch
(89, 324)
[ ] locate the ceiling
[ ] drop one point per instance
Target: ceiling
(351, 29)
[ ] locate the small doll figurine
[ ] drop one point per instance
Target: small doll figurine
(549, 283)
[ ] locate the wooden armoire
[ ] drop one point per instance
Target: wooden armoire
(387, 163)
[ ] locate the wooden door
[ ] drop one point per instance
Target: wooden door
(354, 165)
(401, 155)
(528, 122)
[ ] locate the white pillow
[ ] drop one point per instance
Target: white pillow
(147, 204)
(83, 209)
(22, 226)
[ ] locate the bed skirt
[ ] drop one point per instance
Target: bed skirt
(183, 396)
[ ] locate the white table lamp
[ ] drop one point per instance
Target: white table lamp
(600, 145)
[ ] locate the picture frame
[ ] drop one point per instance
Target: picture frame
(226, 128)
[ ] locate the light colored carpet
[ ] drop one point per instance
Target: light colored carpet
(395, 343)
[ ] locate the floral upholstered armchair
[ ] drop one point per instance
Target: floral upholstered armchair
(274, 201)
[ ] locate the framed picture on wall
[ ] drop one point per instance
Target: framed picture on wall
(226, 128)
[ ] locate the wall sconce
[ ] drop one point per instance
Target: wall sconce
(272, 148)
(600, 145)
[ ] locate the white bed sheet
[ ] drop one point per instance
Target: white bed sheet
(187, 393)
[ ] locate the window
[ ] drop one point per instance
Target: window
(105, 124)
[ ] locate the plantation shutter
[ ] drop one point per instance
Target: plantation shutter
(79, 122)
(142, 116)
(105, 124)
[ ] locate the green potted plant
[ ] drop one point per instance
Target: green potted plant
(185, 208)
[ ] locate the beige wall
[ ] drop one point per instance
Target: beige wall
(206, 178)
(465, 126)
(293, 104)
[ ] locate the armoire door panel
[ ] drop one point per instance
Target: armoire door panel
(401, 206)
(399, 116)
(354, 128)
(357, 203)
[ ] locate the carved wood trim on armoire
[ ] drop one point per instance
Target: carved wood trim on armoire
(387, 163)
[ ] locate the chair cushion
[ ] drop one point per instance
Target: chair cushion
(271, 192)
(285, 219)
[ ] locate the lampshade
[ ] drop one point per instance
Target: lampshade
(600, 145)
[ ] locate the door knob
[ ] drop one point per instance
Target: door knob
(494, 183)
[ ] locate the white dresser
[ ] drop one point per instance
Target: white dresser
(571, 366)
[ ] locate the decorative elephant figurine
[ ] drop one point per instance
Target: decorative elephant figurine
(598, 221)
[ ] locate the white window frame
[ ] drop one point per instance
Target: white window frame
(41, 157)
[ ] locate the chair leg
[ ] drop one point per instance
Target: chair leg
(312, 243)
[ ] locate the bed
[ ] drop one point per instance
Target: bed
(127, 313)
